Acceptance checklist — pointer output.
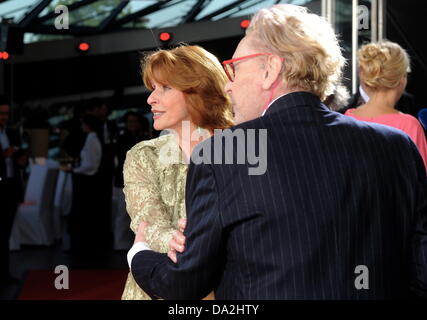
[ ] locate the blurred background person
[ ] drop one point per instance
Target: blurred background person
(21, 161)
(383, 73)
(11, 189)
(108, 138)
(74, 135)
(85, 212)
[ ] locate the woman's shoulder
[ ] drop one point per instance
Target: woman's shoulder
(152, 145)
(411, 126)
(409, 119)
(150, 148)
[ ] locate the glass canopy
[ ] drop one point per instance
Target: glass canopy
(37, 17)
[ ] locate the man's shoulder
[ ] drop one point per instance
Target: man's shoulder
(236, 131)
(382, 139)
(372, 131)
(380, 130)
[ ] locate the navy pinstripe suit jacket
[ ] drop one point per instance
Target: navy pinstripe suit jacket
(337, 194)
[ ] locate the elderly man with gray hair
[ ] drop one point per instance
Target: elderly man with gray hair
(340, 212)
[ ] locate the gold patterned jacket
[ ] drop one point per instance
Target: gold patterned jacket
(154, 175)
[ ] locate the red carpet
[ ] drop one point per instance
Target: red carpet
(83, 285)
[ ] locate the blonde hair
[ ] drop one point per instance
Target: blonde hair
(199, 75)
(312, 56)
(383, 64)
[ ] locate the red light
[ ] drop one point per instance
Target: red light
(244, 23)
(165, 36)
(4, 55)
(84, 46)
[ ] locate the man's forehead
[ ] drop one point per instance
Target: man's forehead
(242, 48)
(245, 47)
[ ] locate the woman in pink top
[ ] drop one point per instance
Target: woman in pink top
(383, 68)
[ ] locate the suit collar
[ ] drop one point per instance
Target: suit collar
(295, 99)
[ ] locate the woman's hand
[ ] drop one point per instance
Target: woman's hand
(177, 242)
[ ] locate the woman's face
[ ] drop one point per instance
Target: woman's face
(168, 106)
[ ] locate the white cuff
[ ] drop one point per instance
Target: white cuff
(137, 247)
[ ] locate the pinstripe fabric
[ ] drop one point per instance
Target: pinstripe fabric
(337, 193)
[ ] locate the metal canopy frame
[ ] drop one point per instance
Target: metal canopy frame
(34, 23)
(195, 10)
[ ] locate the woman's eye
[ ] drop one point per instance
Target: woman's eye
(166, 87)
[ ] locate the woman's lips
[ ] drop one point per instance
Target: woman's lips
(157, 114)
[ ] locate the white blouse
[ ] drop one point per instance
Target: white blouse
(90, 156)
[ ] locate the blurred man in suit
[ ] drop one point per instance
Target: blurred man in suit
(74, 135)
(10, 187)
(108, 136)
(341, 209)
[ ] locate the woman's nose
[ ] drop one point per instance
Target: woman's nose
(152, 98)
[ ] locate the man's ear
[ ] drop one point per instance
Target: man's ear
(272, 70)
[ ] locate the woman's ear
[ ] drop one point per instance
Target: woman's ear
(273, 67)
(403, 80)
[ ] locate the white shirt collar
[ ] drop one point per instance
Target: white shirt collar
(363, 94)
(263, 113)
